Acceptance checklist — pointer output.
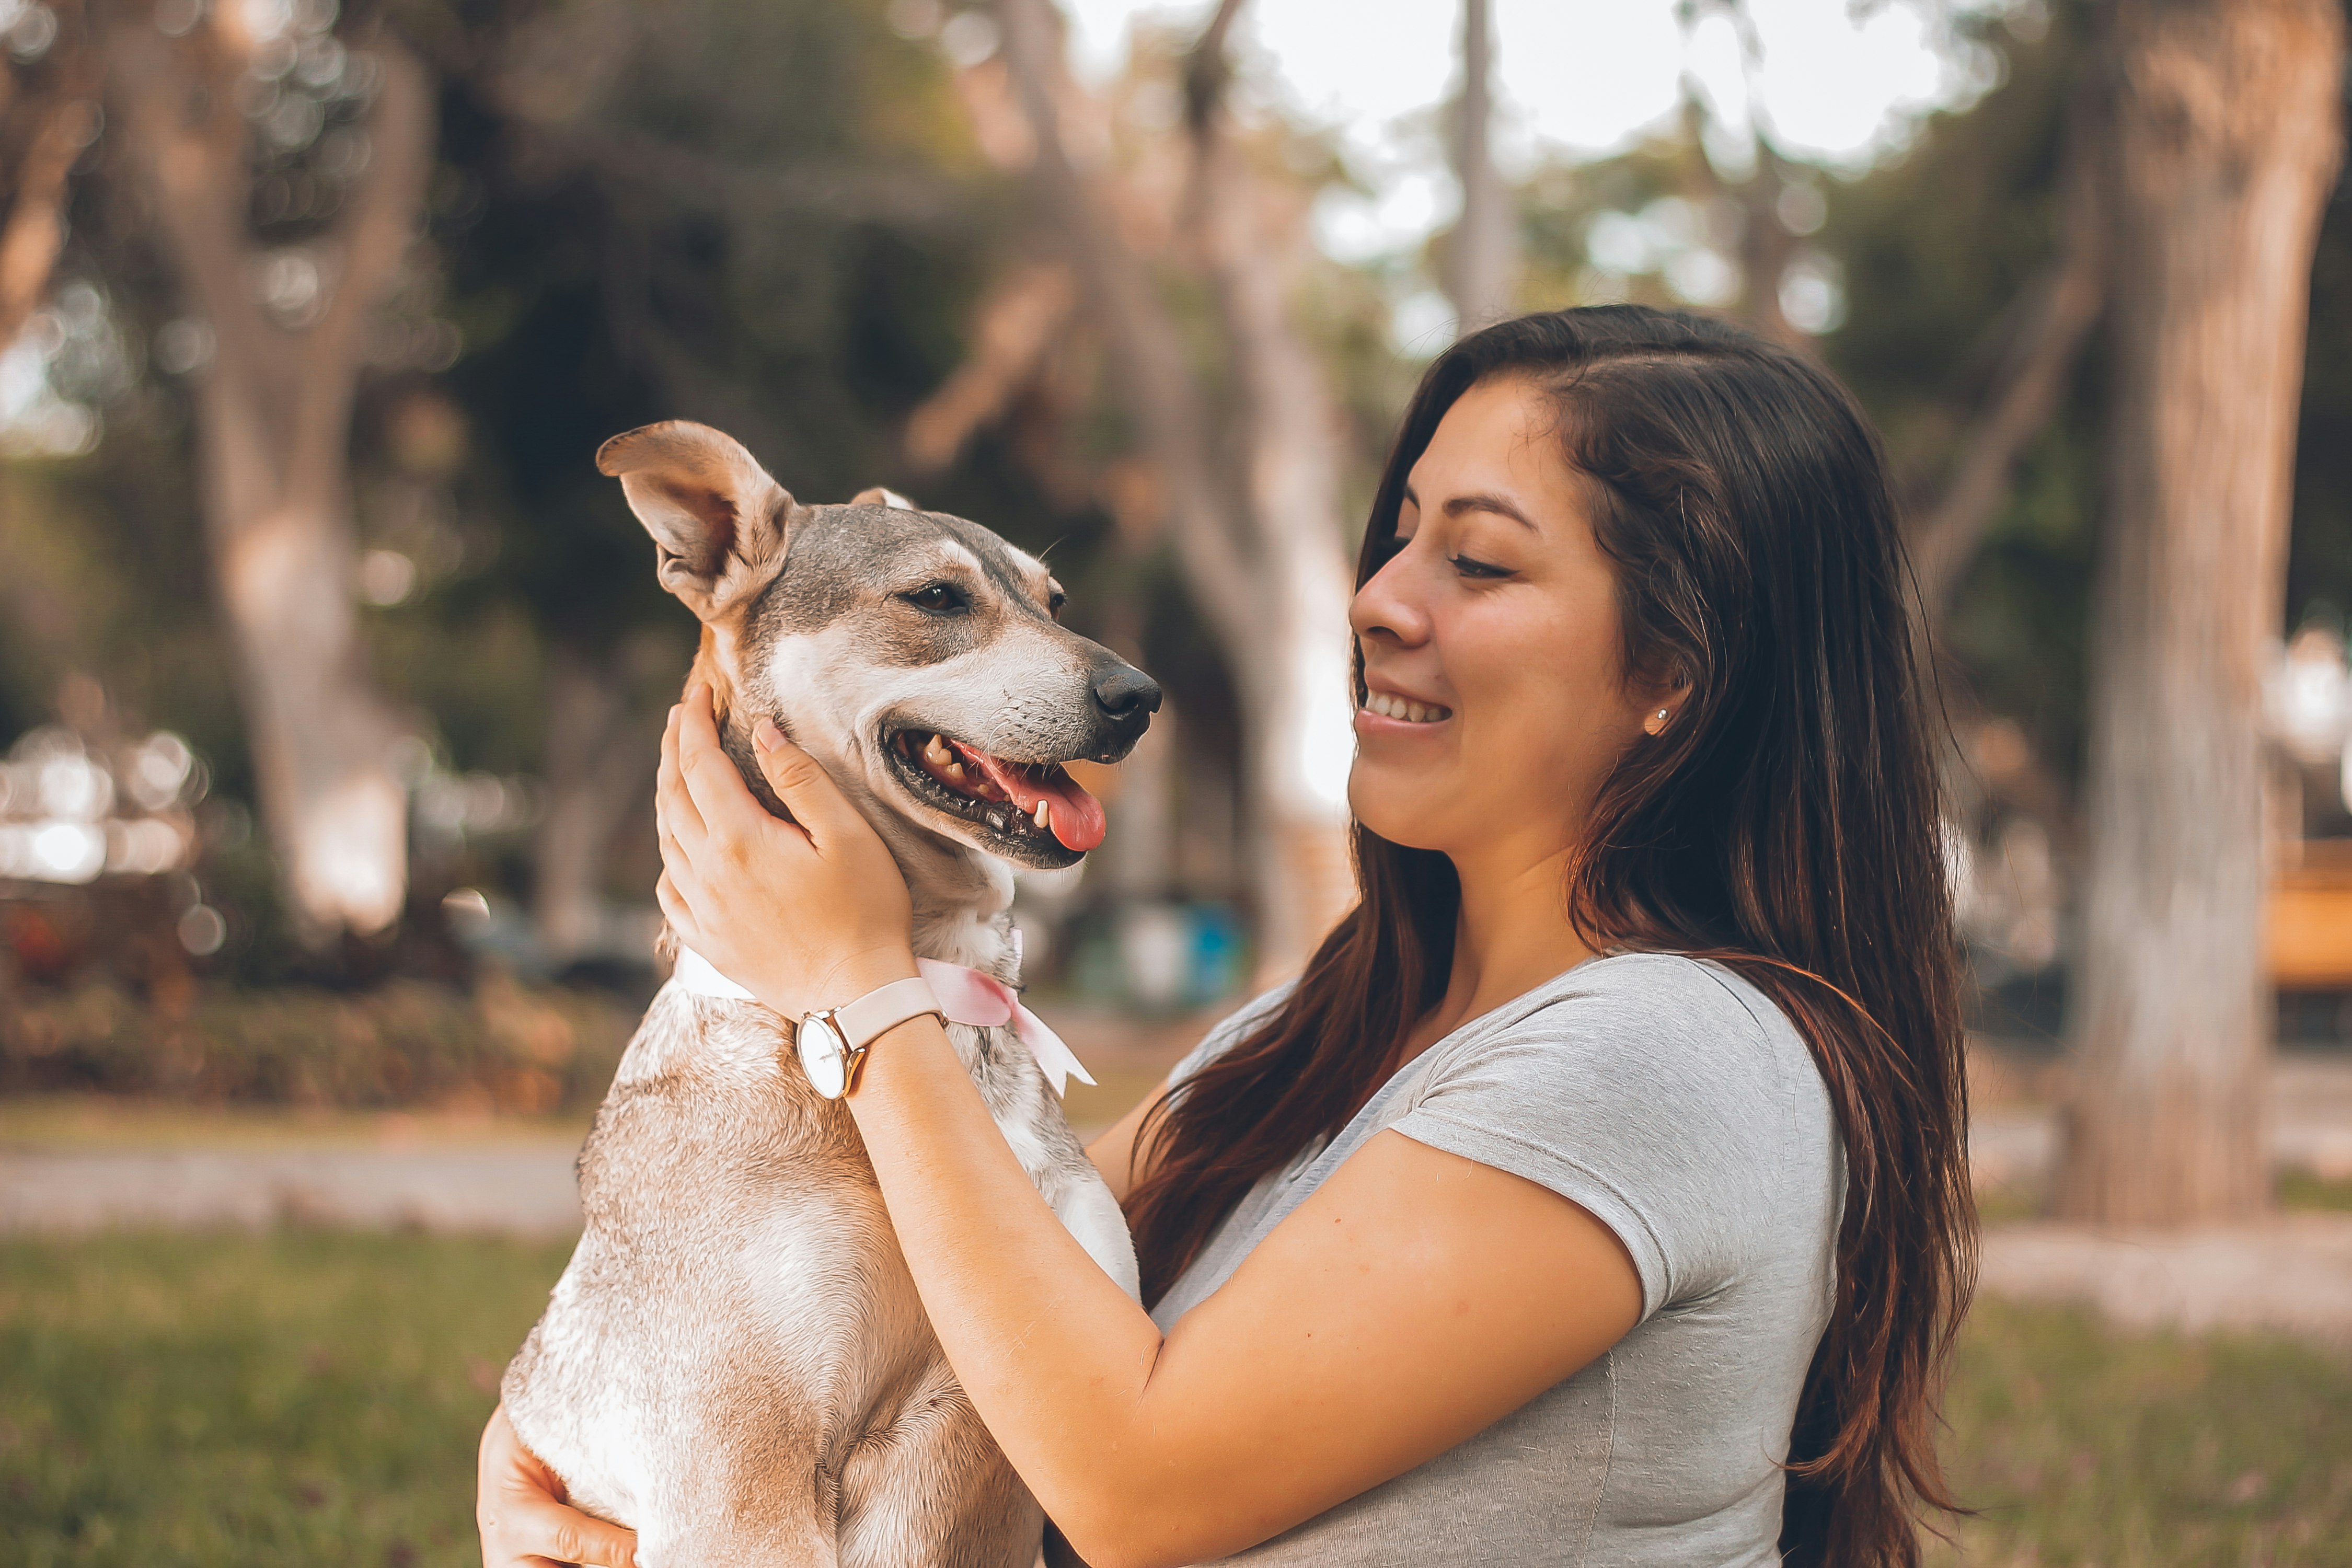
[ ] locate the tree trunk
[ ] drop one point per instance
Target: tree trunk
(1265, 568)
(599, 764)
(2227, 142)
(2052, 318)
(1482, 259)
(273, 431)
(1300, 738)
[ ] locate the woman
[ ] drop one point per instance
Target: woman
(1598, 1195)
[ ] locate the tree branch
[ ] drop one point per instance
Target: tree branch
(1290, 430)
(1147, 351)
(198, 171)
(374, 238)
(36, 230)
(911, 198)
(2058, 309)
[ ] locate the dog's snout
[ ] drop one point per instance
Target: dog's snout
(1124, 693)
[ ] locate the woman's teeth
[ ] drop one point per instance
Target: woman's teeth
(1389, 707)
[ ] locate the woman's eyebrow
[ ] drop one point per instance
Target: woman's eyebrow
(1486, 500)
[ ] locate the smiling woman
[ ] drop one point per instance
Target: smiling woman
(1597, 1194)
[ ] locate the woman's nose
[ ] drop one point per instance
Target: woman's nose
(1390, 602)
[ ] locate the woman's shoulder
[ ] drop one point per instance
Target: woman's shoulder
(1633, 1052)
(1651, 1000)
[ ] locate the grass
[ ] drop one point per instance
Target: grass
(2080, 1444)
(296, 1398)
(305, 1397)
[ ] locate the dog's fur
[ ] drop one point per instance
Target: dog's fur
(736, 1364)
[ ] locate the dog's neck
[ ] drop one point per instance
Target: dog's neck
(963, 898)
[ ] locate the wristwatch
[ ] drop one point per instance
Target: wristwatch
(833, 1044)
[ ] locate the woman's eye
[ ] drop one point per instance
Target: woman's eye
(938, 598)
(1471, 568)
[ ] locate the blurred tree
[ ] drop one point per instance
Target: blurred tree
(285, 324)
(2228, 136)
(763, 215)
(1481, 256)
(1969, 270)
(48, 114)
(1253, 505)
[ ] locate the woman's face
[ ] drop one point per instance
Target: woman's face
(1490, 640)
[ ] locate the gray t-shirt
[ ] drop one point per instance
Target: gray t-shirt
(1679, 1105)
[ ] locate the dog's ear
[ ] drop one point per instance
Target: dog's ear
(877, 496)
(717, 520)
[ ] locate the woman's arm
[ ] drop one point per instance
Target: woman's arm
(1416, 1299)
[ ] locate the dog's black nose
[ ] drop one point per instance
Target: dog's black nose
(1123, 691)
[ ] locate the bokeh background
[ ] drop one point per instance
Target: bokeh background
(331, 674)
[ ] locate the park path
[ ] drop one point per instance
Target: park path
(2292, 1273)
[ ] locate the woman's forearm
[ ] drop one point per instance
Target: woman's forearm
(1053, 1354)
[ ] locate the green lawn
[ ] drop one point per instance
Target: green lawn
(307, 1398)
(300, 1398)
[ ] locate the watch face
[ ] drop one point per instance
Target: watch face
(825, 1056)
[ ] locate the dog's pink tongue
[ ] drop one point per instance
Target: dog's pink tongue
(1076, 816)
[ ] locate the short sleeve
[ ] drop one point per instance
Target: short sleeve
(1651, 1094)
(1228, 1032)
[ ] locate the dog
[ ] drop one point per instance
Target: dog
(735, 1364)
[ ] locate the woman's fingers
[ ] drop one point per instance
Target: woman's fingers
(523, 1519)
(672, 802)
(676, 910)
(807, 791)
(717, 790)
(529, 1527)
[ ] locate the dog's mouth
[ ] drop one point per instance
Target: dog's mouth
(1033, 807)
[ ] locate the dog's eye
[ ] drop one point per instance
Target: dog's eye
(938, 598)
(1054, 603)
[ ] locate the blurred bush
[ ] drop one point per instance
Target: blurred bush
(405, 1044)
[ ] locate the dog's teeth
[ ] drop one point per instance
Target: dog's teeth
(935, 751)
(996, 820)
(1042, 807)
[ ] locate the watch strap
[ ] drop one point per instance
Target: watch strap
(884, 1008)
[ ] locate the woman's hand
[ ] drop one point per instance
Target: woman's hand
(519, 1505)
(804, 914)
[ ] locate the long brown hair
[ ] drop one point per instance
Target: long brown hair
(1785, 825)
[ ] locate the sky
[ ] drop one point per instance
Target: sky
(1837, 83)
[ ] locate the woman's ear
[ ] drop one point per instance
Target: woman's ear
(717, 520)
(1664, 702)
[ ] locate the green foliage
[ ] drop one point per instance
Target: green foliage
(404, 1044)
(1938, 248)
(289, 1399)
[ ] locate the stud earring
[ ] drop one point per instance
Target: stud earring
(1656, 724)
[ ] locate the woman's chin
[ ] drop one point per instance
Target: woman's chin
(1400, 819)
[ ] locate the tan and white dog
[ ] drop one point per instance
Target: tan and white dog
(736, 1364)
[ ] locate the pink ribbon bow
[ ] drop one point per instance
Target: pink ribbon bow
(968, 996)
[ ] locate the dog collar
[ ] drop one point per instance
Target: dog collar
(965, 995)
